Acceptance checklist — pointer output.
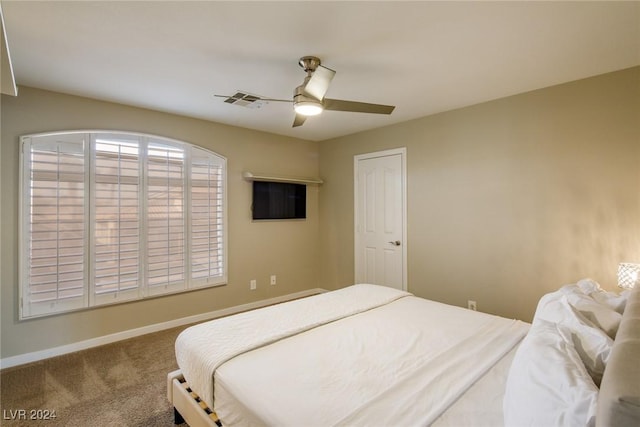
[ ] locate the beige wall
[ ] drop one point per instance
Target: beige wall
(256, 250)
(507, 200)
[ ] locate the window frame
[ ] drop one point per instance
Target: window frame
(90, 298)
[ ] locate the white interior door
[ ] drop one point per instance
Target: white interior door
(380, 218)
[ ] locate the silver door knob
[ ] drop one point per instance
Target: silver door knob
(396, 243)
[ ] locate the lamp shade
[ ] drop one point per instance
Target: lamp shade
(628, 275)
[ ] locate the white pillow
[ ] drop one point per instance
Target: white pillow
(600, 315)
(547, 384)
(588, 286)
(592, 344)
(615, 301)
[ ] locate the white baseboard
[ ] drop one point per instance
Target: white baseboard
(35, 356)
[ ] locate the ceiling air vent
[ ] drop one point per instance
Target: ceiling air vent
(247, 100)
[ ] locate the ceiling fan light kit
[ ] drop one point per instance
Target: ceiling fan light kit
(309, 100)
(306, 105)
(307, 108)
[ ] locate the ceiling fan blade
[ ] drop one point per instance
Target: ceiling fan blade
(299, 120)
(356, 107)
(251, 98)
(276, 100)
(319, 82)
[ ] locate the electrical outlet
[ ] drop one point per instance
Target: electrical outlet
(273, 279)
(471, 305)
(252, 285)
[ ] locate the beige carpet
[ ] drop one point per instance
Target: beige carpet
(120, 384)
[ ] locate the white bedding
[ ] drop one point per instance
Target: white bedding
(372, 367)
(467, 411)
(201, 349)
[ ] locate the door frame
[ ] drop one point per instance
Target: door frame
(402, 151)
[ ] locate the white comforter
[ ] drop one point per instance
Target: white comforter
(201, 349)
(381, 357)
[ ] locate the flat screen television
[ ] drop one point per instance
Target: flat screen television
(279, 200)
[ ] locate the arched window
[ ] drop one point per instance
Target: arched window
(108, 217)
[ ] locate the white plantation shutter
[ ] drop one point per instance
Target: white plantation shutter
(165, 217)
(116, 215)
(112, 216)
(207, 218)
(54, 222)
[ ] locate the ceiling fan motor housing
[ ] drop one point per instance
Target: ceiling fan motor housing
(309, 63)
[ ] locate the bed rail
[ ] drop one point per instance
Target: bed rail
(187, 406)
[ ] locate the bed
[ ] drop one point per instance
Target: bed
(370, 355)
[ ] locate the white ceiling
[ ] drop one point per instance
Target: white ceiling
(423, 57)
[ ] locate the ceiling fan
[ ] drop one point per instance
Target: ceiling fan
(308, 98)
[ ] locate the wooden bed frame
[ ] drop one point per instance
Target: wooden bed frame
(187, 406)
